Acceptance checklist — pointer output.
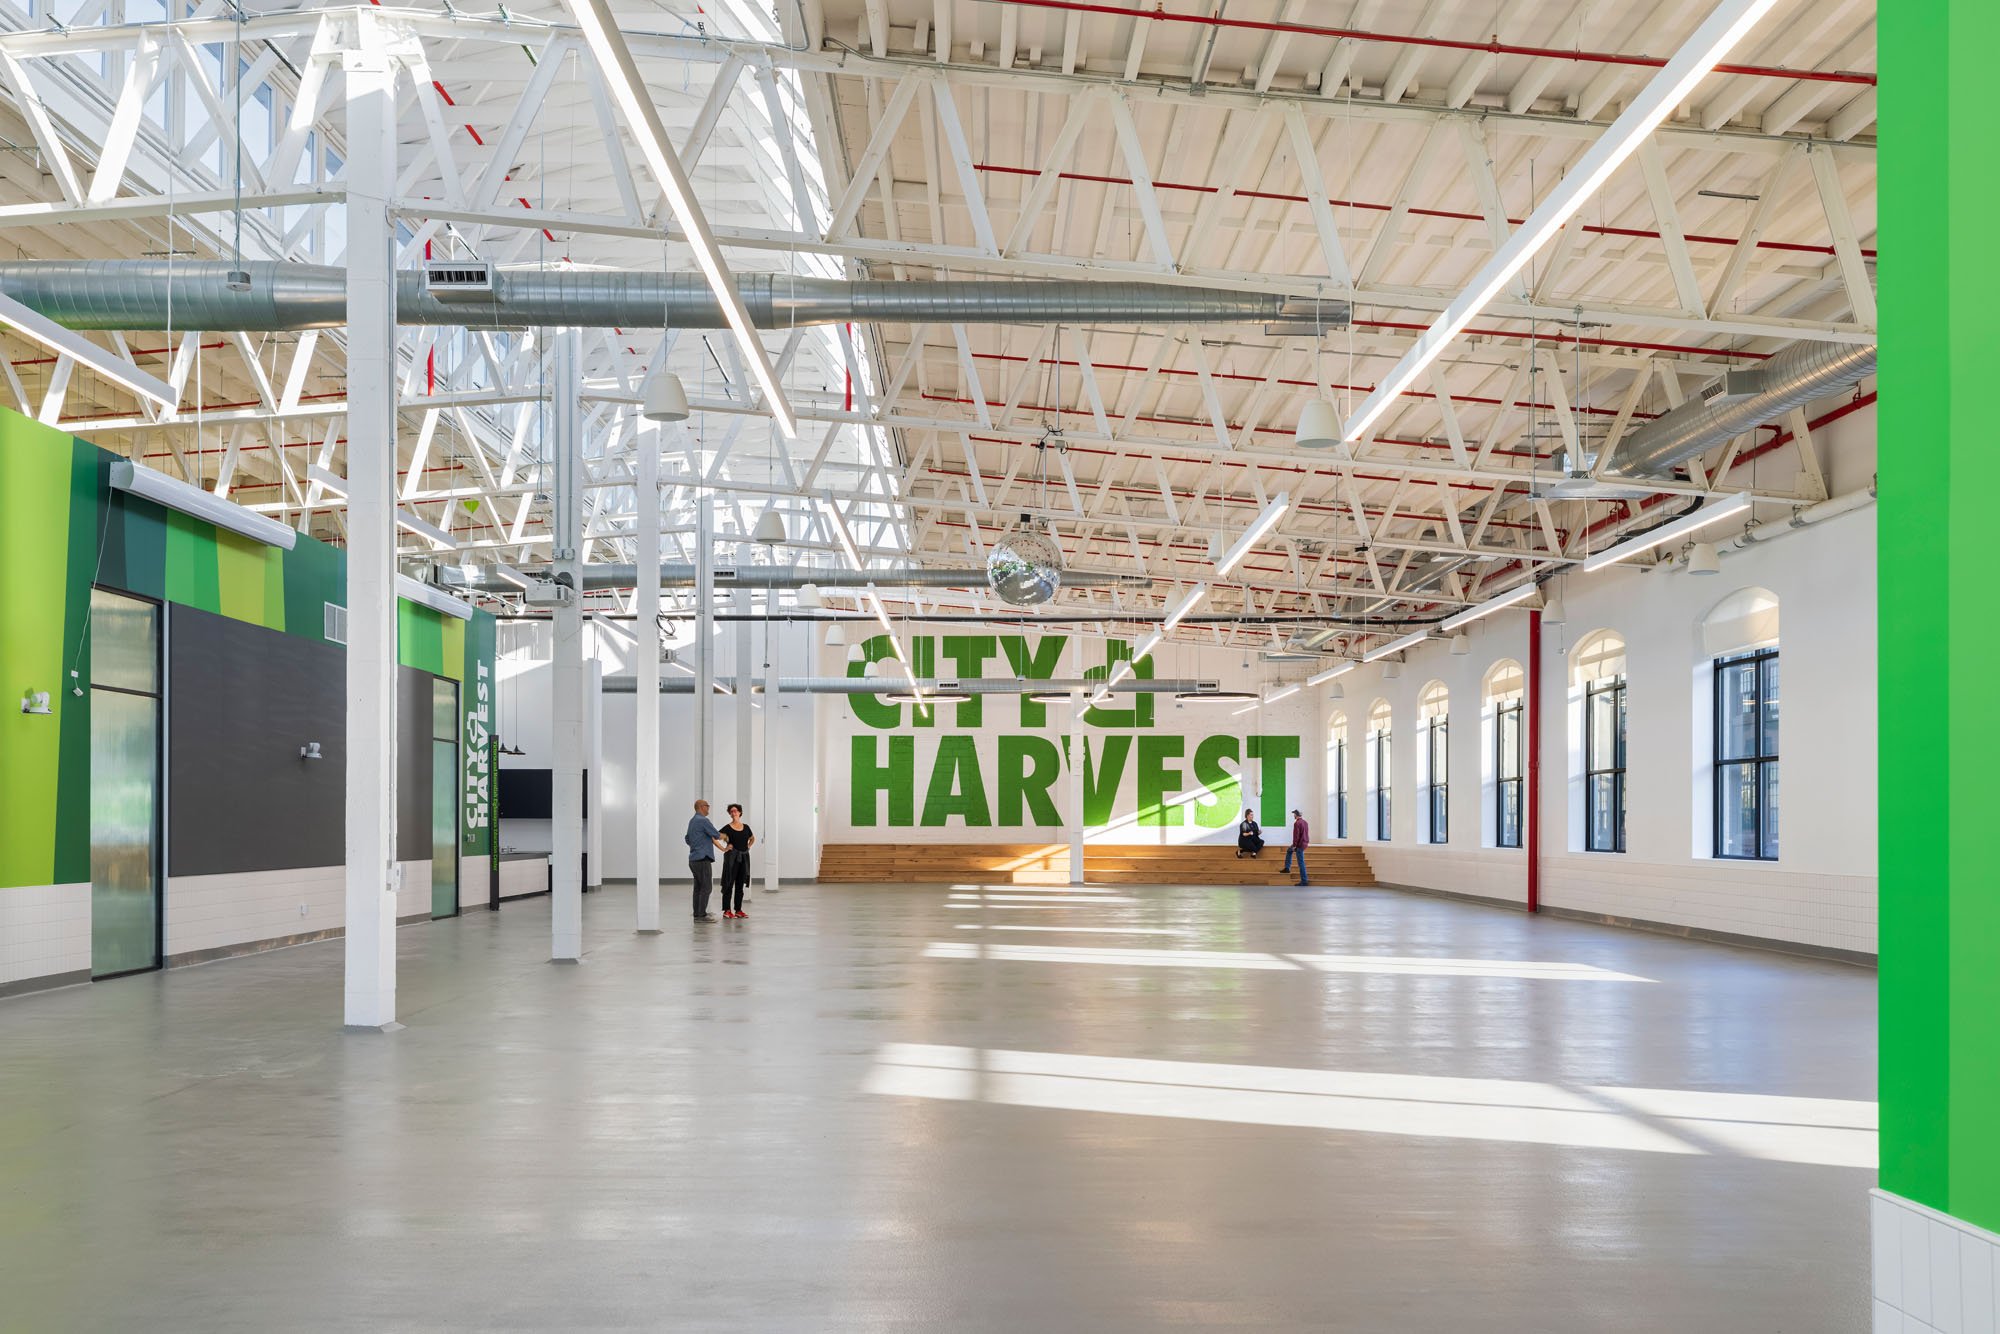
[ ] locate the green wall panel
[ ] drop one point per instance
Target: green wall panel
(1939, 890)
(35, 478)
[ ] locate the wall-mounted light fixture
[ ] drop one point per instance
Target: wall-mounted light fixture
(36, 701)
(310, 751)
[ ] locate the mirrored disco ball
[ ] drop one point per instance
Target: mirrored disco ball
(1024, 568)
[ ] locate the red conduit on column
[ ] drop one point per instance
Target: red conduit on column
(849, 407)
(1534, 796)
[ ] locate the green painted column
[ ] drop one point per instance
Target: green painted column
(1939, 611)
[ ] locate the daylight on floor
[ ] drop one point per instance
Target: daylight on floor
(997, 665)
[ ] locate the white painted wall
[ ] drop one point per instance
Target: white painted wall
(1821, 890)
(608, 645)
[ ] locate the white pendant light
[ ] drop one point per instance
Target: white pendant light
(1461, 645)
(836, 635)
(874, 672)
(1336, 691)
(855, 653)
(1391, 670)
(1704, 559)
(1319, 426)
(666, 398)
(808, 596)
(770, 529)
(1553, 612)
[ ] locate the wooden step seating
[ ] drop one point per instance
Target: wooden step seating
(1103, 864)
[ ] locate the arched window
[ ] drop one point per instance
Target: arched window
(1336, 775)
(1505, 688)
(1598, 666)
(1434, 754)
(1380, 806)
(1740, 635)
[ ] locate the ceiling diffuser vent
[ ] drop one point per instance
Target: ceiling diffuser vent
(456, 280)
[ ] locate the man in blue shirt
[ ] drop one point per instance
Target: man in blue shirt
(702, 840)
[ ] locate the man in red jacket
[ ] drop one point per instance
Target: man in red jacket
(1301, 836)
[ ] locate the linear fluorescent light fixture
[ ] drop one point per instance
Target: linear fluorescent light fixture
(1721, 30)
(32, 324)
(1321, 678)
(1714, 512)
(1267, 519)
(412, 590)
(514, 577)
(1148, 644)
(1488, 607)
(1182, 608)
(1286, 693)
(175, 494)
(628, 90)
(1396, 646)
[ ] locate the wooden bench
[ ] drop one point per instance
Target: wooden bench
(1103, 864)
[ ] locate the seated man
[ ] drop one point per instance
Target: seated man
(1249, 838)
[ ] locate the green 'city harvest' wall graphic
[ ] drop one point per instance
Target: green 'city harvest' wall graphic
(62, 529)
(974, 779)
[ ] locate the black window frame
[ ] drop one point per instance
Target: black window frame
(1340, 784)
(1509, 713)
(1379, 799)
(1762, 660)
(1613, 686)
(1436, 731)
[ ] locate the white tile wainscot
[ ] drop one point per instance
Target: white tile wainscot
(1934, 1274)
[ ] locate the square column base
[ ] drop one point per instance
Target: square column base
(1933, 1274)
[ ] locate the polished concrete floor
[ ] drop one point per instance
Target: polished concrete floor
(875, 1108)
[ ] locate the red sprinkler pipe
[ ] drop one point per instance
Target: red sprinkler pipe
(1534, 797)
(1161, 14)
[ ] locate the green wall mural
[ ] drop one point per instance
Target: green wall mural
(963, 778)
(62, 529)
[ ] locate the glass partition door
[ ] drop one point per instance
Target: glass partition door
(124, 784)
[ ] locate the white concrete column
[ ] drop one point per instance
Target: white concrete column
(704, 648)
(769, 818)
(567, 708)
(370, 945)
(1077, 703)
(646, 644)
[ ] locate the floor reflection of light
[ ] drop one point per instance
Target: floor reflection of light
(1014, 896)
(1076, 930)
(1832, 1132)
(1393, 965)
(969, 949)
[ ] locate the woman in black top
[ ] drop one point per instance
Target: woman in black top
(736, 862)
(1249, 838)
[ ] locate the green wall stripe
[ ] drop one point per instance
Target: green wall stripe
(86, 528)
(1970, 195)
(191, 565)
(34, 559)
(241, 567)
(1915, 464)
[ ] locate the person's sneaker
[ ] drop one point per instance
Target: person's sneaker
(741, 913)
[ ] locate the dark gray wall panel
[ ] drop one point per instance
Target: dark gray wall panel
(241, 700)
(413, 765)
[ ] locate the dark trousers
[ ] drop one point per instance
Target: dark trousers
(703, 872)
(735, 879)
(1300, 853)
